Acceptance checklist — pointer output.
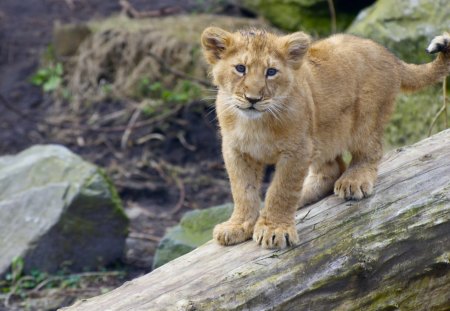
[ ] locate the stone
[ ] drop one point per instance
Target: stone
(195, 229)
(312, 16)
(58, 211)
(405, 26)
(67, 38)
(412, 117)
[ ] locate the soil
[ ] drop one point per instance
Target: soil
(200, 182)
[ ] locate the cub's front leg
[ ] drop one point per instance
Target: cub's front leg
(275, 227)
(245, 176)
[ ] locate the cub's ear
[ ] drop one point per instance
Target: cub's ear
(295, 47)
(214, 42)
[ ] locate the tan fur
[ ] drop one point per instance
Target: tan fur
(328, 97)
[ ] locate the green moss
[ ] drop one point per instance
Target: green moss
(195, 229)
(74, 224)
(405, 27)
(202, 220)
(310, 16)
(413, 116)
(115, 198)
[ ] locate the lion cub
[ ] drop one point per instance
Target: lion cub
(299, 105)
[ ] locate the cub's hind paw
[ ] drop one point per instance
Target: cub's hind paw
(439, 44)
(274, 235)
(230, 233)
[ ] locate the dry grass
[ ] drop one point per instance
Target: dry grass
(120, 53)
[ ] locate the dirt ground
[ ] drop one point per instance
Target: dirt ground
(25, 32)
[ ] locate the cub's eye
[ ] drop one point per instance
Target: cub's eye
(240, 68)
(271, 72)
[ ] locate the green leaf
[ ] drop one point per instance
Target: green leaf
(157, 86)
(40, 77)
(16, 268)
(59, 69)
(52, 83)
(166, 95)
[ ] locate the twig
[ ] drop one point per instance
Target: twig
(67, 125)
(184, 143)
(129, 10)
(158, 167)
(13, 290)
(333, 16)
(182, 197)
(129, 129)
(80, 275)
(443, 109)
(140, 124)
(134, 185)
(112, 116)
(22, 114)
(150, 136)
(110, 146)
(143, 236)
(178, 73)
(31, 118)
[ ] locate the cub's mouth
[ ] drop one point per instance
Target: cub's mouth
(250, 112)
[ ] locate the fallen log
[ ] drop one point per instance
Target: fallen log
(388, 252)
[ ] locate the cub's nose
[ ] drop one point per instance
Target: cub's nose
(252, 100)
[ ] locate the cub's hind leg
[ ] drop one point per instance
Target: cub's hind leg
(320, 180)
(358, 180)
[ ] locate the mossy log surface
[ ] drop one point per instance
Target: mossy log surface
(388, 252)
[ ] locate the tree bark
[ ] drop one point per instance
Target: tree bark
(388, 252)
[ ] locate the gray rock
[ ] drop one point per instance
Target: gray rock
(58, 211)
(312, 16)
(404, 26)
(195, 229)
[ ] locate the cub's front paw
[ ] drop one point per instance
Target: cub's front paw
(353, 188)
(229, 233)
(274, 235)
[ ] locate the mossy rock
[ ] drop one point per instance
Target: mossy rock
(67, 38)
(58, 211)
(412, 117)
(312, 16)
(404, 26)
(195, 229)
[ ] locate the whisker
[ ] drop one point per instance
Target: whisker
(223, 111)
(272, 111)
(213, 109)
(208, 98)
(278, 110)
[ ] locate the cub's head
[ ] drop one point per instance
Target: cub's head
(253, 69)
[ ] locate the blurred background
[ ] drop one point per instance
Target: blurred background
(122, 85)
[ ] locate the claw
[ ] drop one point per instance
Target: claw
(260, 240)
(288, 241)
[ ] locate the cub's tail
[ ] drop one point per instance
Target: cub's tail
(415, 77)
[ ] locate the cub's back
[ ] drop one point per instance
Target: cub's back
(347, 55)
(351, 79)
